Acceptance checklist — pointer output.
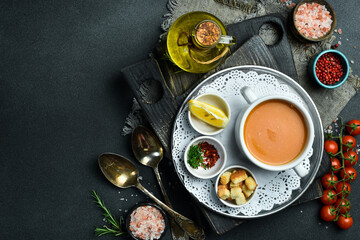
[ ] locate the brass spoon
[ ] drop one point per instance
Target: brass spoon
(121, 172)
(149, 152)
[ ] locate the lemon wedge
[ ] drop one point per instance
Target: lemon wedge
(208, 113)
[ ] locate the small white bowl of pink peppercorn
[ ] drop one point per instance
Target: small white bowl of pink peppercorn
(330, 68)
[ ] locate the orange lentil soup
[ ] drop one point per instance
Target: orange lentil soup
(275, 132)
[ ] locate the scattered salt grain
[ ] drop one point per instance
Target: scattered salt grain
(339, 42)
(326, 227)
(301, 211)
(140, 178)
(335, 30)
(122, 199)
(352, 61)
(328, 131)
(291, 5)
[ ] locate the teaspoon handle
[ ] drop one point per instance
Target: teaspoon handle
(166, 198)
(186, 224)
(176, 232)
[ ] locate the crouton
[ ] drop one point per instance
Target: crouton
(238, 176)
(250, 183)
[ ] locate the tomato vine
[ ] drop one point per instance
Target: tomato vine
(336, 183)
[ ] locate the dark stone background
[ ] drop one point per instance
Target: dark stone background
(63, 103)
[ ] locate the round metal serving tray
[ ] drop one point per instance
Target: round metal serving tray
(318, 144)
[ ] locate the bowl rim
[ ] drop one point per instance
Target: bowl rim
(328, 7)
(341, 55)
(220, 129)
(193, 171)
(127, 221)
(229, 203)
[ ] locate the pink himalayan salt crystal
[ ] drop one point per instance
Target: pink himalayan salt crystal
(313, 20)
(339, 31)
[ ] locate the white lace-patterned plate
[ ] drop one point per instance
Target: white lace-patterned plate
(276, 190)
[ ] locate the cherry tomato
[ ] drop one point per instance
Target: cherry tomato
(331, 146)
(344, 188)
(348, 142)
(343, 205)
(328, 213)
(350, 174)
(350, 158)
(328, 181)
(353, 127)
(329, 197)
(345, 222)
(335, 165)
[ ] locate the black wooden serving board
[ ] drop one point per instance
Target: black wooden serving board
(160, 89)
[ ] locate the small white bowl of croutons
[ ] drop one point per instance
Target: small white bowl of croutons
(236, 186)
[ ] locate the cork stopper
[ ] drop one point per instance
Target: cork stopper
(207, 33)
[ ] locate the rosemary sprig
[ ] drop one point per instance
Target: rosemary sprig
(115, 228)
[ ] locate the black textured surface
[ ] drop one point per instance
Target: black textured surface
(62, 103)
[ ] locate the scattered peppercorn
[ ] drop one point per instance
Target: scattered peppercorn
(329, 69)
(335, 46)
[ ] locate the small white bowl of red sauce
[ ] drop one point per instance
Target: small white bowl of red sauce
(146, 221)
(205, 157)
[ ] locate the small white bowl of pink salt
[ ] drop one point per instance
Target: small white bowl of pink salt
(313, 20)
(146, 221)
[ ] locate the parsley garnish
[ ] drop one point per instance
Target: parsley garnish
(195, 158)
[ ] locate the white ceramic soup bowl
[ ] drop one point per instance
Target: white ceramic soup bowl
(254, 101)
